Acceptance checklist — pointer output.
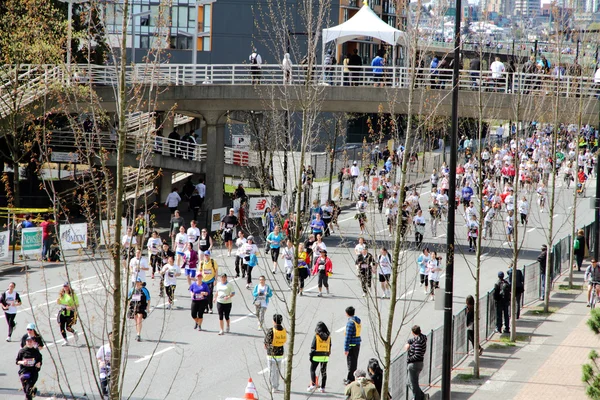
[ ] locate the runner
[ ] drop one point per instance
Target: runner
(154, 246)
(239, 254)
(67, 316)
(320, 350)
(227, 224)
(181, 241)
(128, 243)
(288, 257)
(384, 272)
(248, 251)
(327, 217)
(472, 232)
(302, 269)
(364, 266)
(422, 263)
(323, 267)
(361, 216)
(318, 245)
(33, 332)
(225, 292)
(274, 240)
(317, 225)
(138, 266)
(419, 223)
(139, 306)
(433, 273)
(29, 360)
(261, 294)
(205, 243)
(163, 259)
(170, 272)
(190, 259)
(200, 292)
(193, 234)
(210, 271)
(103, 355)
(10, 300)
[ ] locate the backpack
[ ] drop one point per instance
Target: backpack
(576, 245)
(504, 290)
(253, 58)
(328, 59)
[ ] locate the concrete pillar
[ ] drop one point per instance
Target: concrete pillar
(215, 160)
(165, 185)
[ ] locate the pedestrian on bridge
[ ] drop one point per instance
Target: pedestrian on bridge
(255, 63)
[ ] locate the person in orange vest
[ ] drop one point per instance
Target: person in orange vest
(275, 339)
(319, 354)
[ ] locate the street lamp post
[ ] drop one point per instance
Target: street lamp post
(133, 19)
(70, 27)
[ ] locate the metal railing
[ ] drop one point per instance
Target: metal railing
(339, 75)
(32, 82)
(241, 157)
(432, 369)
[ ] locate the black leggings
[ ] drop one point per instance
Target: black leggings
(323, 281)
(209, 302)
(198, 307)
(224, 310)
(239, 263)
(29, 383)
(365, 279)
(65, 321)
(248, 273)
(313, 373)
(170, 290)
(327, 221)
(156, 262)
(10, 320)
(472, 242)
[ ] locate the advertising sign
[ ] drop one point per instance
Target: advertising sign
(347, 189)
(31, 241)
(73, 236)
(109, 230)
(217, 215)
(257, 206)
(4, 242)
(241, 141)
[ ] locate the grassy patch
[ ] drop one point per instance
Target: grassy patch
(540, 310)
(231, 188)
(465, 377)
(566, 287)
(505, 340)
(495, 346)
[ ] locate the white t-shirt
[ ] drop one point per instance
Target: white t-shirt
(262, 295)
(523, 207)
(433, 274)
(11, 298)
(154, 245)
(247, 250)
(138, 267)
(385, 265)
(173, 199)
(288, 256)
(201, 188)
(126, 241)
(354, 170)
(497, 68)
(180, 241)
(240, 242)
(193, 234)
(171, 272)
(104, 353)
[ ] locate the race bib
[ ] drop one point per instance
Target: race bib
(202, 242)
(136, 297)
(29, 362)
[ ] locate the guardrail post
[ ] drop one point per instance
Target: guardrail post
(568, 84)
(430, 359)
(487, 314)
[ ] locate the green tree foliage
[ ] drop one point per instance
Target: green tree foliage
(591, 370)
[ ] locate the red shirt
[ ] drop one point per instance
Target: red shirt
(46, 229)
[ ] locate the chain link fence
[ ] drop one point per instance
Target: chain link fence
(432, 364)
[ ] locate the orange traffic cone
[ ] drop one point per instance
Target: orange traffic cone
(250, 391)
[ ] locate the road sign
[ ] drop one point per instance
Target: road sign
(241, 141)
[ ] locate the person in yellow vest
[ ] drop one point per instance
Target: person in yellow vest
(319, 354)
(275, 339)
(352, 343)
(209, 272)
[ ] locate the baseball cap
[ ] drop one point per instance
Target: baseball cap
(66, 284)
(323, 251)
(207, 253)
(354, 163)
(250, 237)
(139, 279)
(500, 274)
(31, 326)
(224, 274)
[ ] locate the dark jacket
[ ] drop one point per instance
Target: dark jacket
(313, 347)
(273, 350)
(520, 288)
(417, 348)
(497, 296)
(29, 353)
(542, 260)
(581, 250)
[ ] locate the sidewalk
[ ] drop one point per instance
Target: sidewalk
(544, 363)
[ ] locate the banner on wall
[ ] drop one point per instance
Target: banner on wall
(73, 236)
(347, 189)
(31, 241)
(336, 191)
(373, 183)
(4, 242)
(216, 216)
(257, 206)
(108, 230)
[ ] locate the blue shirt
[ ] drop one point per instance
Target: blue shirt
(317, 226)
(377, 62)
(351, 338)
(275, 240)
(467, 192)
(422, 263)
(196, 289)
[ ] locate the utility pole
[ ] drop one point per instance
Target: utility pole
(449, 285)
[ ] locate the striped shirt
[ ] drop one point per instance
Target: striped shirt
(417, 349)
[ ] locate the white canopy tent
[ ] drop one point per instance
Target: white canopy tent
(365, 23)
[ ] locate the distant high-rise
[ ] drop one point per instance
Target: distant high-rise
(526, 8)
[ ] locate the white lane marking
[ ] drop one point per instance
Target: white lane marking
(407, 294)
(242, 318)
(531, 230)
(263, 371)
(311, 288)
(483, 255)
(145, 358)
(383, 230)
(341, 329)
(52, 302)
(504, 244)
(62, 340)
(442, 276)
(555, 216)
(57, 286)
(442, 235)
(344, 220)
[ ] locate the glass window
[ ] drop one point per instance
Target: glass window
(174, 19)
(144, 42)
(207, 18)
(183, 17)
(154, 15)
(206, 43)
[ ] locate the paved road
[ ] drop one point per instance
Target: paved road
(189, 363)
